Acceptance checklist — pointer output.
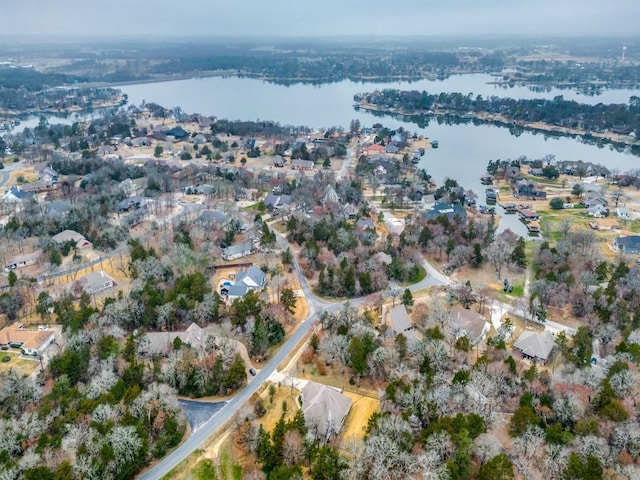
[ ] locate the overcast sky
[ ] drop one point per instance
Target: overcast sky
(324, 17)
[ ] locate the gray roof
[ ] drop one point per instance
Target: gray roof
(536, 345)
(470, 323)
(18, 193)
(237, 249)
(251, 277)
(235, 290)
(68, 235)
(157, 343)
(214, 217)
(325, 408)
(399, 319)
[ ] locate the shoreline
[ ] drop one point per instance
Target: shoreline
(500, 120)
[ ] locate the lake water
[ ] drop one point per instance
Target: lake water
(464, 149)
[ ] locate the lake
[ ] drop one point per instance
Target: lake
(464, 149)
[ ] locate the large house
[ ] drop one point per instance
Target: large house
(246, 280)
(71, 236)
(324, 408)
(299, 164)
(237, 251)
(535, 346)
(92, 283)
(161, 343)
(447, 209)
(31, 342)
(399, 322)
(468, 323)
(629, 244)
(15, 195)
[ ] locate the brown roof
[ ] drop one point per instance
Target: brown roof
(33, 339)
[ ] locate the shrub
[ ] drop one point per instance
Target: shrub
(6, 359)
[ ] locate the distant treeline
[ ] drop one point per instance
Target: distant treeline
(619, 118)
(32, 80)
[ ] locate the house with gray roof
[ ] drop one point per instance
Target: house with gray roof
(16, 195)
(325, 409)
(628, 244)
(399, 322)
(237, 251)
(463, 322)
(23, 260)
(253, 278)
(213, 219)
(299, 164)
(535, 346)
(330, 195)
(92, 283)
(161, 343)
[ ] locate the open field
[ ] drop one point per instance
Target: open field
(361, 410)
(21, 366)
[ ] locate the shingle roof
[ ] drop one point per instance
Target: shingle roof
(537, 345)
(399, 319)
(252, 276)
(324, 407)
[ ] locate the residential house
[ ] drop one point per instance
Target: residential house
(597, 211)
(141, 142)
(444, 208)
(275, 202)
(428, 201)
(237, 251)
(373, 149)
(350, 211)
(536, 172)
(535, 346)
(623, 213)
(161, 343)
(365, 224)
(330, 195)
(468, 323)
(253, 278)
(590, 199)
(130, 203)
(16, 195)
(31, 342)
(391, 148)
(399, 322)
(178, 133)
(204, 189)
(36, 187)
(530, 190)
(324, 408)
(48, 174)
(71, 235)
(628, 244)
(246, 280)
(23, 260)
(57, 208)
(278, 161)
(92, 283)
(299, 164)
(213, 219)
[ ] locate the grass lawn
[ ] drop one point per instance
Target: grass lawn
(361, 409)
(20, 365)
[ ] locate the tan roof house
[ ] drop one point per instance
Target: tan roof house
(71, 235)
(31, 341)
(161, 343)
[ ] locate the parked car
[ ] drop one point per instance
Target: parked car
(252, 372)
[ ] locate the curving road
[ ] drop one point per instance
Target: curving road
(226, 413)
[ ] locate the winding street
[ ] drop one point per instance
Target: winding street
(226, 413)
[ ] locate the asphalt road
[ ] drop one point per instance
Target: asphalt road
(316, 305)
